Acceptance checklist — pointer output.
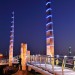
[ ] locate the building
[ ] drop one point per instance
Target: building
(49, 30)
(1, 55)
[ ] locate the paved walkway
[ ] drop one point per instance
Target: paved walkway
(57, 69)
(47, 70)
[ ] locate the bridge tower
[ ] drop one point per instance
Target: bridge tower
(23, 55)
(49, 30)
(11, 41)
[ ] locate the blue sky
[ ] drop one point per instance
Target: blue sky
(30, 25)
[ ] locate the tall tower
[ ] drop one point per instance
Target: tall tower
(23, 55)
(49, 30)
(11, 41)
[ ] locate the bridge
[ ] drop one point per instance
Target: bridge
(45, 64)
(6, 61)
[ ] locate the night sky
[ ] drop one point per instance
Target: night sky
(30, 25)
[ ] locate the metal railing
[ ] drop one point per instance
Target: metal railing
(45, 62)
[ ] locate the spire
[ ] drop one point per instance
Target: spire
(49, 30)
(11, 41)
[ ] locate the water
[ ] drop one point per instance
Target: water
(1, 70)
(32, 72)
(29, 73)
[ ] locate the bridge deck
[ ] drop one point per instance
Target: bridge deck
(57, 69)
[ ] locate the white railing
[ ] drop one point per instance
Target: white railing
(49, 63)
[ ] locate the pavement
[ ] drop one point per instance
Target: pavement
(57, 70)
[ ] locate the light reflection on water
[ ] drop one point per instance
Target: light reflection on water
(25, 73)
(30, 73)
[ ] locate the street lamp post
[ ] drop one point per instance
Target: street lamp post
(70, 51)
(63, 64)
(57, 61)
(65, 58)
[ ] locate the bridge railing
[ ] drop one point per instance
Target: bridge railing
(43, 61)
(6, 61)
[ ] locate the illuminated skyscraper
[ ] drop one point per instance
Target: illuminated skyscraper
(11, 41)
(49, 30)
